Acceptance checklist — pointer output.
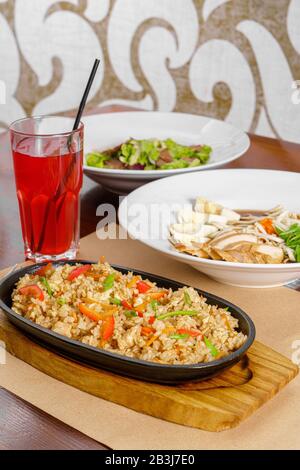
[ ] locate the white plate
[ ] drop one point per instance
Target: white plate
(237, 189)
(104, 131)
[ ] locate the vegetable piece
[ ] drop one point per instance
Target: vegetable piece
(297, 253)
(90, 313)
(108, 281)
(168, 329)
(61, 301)
(108, 321)
(78, 271)
(140, 308)
(157, 295)
(126, 305)
(153, 304)
(226, 321)
(213, 350)
(130, 313)
(193, 333)
(151, 340)
(32, 290)
(90, 300)
(143, 287)
(96, 159)
(45, 270)
(108, 327)
(130, 153)
(115, 301)
(152, 320)
(132, 282)
(147, 330)
(95, 276)
(187, 298)
(108, 308)
(46, 284)
(291, 238)
(178, 336)
(268, 226)
(151, 154)
(175, 165)
(177, 313)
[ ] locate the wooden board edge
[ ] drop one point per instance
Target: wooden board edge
(103, 384)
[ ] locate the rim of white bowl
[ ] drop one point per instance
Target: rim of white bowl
(217, 263)
(243, 135)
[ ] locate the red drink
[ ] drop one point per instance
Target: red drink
(48, 180)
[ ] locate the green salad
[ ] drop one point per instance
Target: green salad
(150, 154)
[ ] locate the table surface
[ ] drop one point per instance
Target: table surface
(22, 426)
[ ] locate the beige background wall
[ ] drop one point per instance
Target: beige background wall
(230, 59)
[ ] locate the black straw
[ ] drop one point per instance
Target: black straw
(72, 164)
(86, 93)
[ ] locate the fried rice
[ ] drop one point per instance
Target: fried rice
(125, 314)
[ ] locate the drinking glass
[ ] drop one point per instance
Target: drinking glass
(48, 159)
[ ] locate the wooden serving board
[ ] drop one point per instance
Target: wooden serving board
(215, 405)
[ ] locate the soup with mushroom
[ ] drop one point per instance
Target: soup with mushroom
(212, 231)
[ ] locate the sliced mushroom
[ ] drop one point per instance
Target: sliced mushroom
(210, 252)
(272, 238)
(166, 156)
(226, 240)
(230, 214)
(217, 219)
(272, 254)
(239, 245)
(236, 256)
(192, 250)
(289, 252)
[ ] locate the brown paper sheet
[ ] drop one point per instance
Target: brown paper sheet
(276, 314)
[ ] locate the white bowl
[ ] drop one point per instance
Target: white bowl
(104, 131)
(237, 189)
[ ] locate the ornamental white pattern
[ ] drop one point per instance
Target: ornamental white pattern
(233, 60)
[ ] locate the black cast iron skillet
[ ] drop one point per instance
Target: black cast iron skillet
(136, 368)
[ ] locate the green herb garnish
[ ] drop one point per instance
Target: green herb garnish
(61, 301)
(297, 253)
(130, 313)
(213, 350)
(96, 159)
(46, 284)
(148, 152)
(187, 298)
(177, 313)
(115, 301)
(108, 281)
(291, 238)
(154, 304)
(184, 336)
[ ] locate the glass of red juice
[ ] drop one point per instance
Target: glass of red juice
(48, 159)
